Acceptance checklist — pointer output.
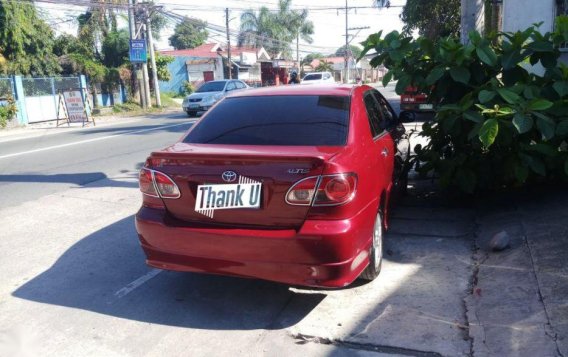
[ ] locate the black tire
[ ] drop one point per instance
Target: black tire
(191, 114)
(376, 251)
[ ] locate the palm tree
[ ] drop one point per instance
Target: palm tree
(259, 29)
(302, 28)
(275, 30)
(324, 66)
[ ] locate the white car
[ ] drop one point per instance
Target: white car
(318, 78)
(208, 94)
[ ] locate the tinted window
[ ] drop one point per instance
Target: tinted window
(388, 115)
(312, 77)
(374, 114)
(275, 120)
(215, 86)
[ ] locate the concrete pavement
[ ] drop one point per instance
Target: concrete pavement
(519, 301)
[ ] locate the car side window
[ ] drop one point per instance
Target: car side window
(326, 76)
(231, 86)
(374, 114)
(388, 114)
(240, 85)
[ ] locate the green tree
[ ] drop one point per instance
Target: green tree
(497, 124)
(275, 31)
(115, 48)
(312, 56)
(432, 18)
(190, 33)
(354, 50)
(259, 29)
(26, 40)
(97, 22)
(299, 25)
(162, 66)
(324, 66)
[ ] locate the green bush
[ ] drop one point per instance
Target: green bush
(497, 124)
(7, 112)
(187, 88)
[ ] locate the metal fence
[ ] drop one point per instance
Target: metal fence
(41, 96)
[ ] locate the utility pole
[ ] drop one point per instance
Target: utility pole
(346, 53)
(145, 77)
(153, 59)
(228, 44)
(134, 77)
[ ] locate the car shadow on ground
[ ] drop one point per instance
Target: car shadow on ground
(168, 127)
(102, 272)
(80, 179)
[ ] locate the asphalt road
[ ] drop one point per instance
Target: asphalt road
(41, 165)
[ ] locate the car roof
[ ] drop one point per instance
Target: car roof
(341, 90)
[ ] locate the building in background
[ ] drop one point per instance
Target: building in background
(208, 62)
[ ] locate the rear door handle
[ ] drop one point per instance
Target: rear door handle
(385, 152)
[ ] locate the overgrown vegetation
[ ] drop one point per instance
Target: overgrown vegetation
(502, 104)
(7, 112)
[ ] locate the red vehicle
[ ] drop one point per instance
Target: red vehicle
(288, 184)
(412, 100)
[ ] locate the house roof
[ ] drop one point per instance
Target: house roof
(208, 50)
(212, 50)
(333, 60)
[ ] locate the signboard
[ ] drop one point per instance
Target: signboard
(75, 107)
(72, 108)
(138, 51)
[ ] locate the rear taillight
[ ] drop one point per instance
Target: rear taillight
(325, 190)
(335, 189)
(156, 184)
(302, 193)
(167, 188)
(147, 183)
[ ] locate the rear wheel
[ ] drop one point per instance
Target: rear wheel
(376, 251)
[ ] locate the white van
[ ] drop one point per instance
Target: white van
(318, 78)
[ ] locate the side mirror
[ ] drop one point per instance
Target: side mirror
(407, 117)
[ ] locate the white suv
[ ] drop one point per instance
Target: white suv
(318, 78)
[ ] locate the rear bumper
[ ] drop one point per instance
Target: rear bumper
(321, 253)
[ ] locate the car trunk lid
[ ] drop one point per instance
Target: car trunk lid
(198, 170)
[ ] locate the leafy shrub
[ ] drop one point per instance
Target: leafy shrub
(497, 124)
(7, 112)
(187, 88)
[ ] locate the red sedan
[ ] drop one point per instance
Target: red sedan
(289, 184)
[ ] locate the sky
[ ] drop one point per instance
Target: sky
(329, 22)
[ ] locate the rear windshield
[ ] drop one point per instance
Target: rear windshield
(312, 77)
(275, 120)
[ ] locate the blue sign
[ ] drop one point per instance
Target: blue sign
(138, 51)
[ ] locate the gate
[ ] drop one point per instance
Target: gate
(41, 96)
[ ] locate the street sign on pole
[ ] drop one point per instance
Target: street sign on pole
(138, 53)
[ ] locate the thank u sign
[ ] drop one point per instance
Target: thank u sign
(245, 194)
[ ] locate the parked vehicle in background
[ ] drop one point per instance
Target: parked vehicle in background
(412, 100)
(208, 94)
(289, 184)
(318, 78)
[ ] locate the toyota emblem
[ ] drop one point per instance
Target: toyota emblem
(229, 176)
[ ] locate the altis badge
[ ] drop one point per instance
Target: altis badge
(244, 194)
